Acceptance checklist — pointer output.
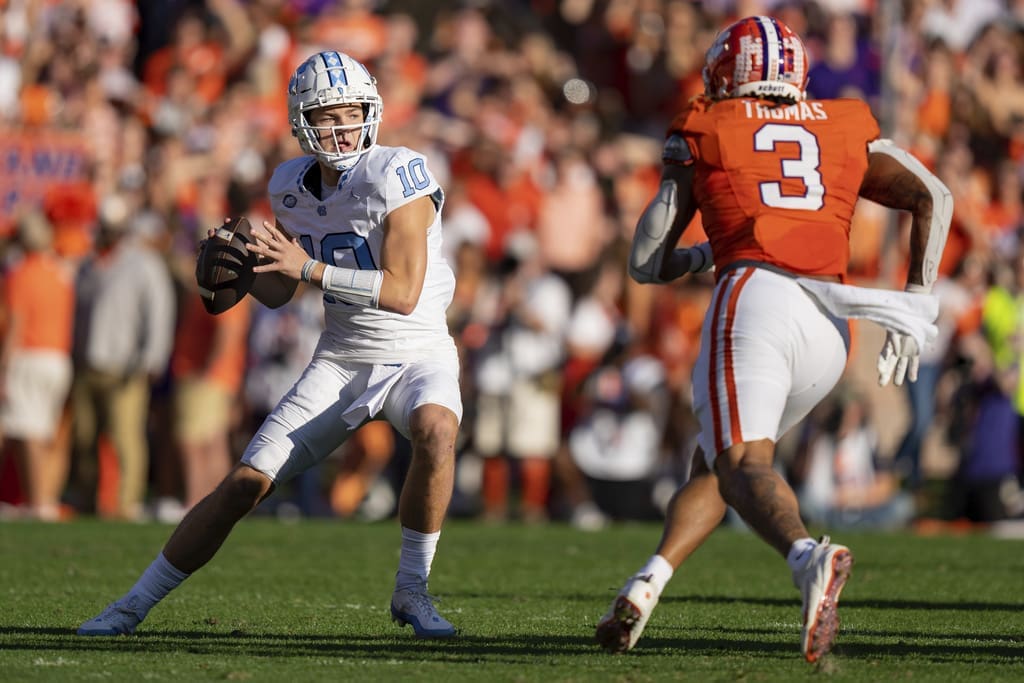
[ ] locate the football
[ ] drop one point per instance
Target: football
(224, 266)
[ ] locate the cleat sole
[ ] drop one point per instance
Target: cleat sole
(822, 633)
(613, 634)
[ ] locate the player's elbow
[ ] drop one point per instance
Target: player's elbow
(639, 273)
(403, 307)
(931, 198)
(922, 203)
(402, 302)
(643, 260)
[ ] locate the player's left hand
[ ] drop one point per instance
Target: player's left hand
(900, 357)
(278, 252)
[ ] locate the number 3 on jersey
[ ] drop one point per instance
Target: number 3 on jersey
(803, 168)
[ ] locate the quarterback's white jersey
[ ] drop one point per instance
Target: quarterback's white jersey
(346, 229)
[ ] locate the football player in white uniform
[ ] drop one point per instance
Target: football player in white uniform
(363, 222)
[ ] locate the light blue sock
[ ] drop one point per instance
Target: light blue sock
(159, 579)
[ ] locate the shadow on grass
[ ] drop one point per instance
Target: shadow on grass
(851, 603)
(909, 646)
(770, 643)
(467, 649)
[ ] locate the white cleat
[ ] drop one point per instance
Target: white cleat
(120, 618)
(820, 582)
(620, 627)
(416, 608)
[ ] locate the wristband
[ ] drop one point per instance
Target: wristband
(359, 287)
(307, 270)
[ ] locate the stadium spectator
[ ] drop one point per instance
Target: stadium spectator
(35, 365)
(776, 339)
(848, 67)
(124, 322)
(618, 442)
(960, 303)
(843, 485)
(596, 330)
(207, 368)
(385, 353)
(1002, 322)
(986, 486)
(519, 384)
(572, 230)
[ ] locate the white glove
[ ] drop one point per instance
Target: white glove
(900, 357)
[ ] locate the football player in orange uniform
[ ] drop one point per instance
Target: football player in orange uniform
(776, 178)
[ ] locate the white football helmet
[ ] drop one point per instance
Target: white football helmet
(329, 79)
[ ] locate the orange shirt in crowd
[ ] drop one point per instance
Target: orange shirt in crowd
(212, 346)
(39, 295)
(203, 62)
(935, 113)
(361, 35)
(491, 200)
(778, 184)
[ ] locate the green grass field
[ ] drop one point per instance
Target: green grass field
(309, 602)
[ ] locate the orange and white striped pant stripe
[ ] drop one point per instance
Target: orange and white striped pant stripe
(768, 356)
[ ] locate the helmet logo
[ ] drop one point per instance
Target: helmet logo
(335, 70)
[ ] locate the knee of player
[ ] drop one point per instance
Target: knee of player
(433, 430)
(244, 488)
(749, 455)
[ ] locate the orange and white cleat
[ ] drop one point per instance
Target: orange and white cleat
(820, 582)
(620, 628)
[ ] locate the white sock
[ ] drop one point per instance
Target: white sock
(800, 552)
(159, 579)
(660, 571)
(415, 559)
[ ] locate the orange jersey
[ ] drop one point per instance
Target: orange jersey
(39, 291)
(194, 344)
(777, 184)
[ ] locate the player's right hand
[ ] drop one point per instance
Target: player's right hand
(899, 359)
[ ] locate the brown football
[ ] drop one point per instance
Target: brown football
(224, 266)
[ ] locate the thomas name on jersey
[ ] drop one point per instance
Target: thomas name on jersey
(801, 111)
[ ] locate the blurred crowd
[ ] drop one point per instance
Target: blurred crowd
(129, 129)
